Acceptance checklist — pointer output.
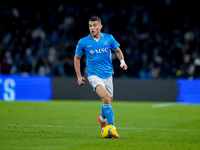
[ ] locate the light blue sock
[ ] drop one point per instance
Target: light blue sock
(109, 114)
(102, 112)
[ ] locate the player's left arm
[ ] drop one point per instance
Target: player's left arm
(121, 58)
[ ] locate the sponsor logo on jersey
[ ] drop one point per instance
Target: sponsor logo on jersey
(98, 51)
(101, 50)
(92, 52)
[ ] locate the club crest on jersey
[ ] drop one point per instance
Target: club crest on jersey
(105, 43)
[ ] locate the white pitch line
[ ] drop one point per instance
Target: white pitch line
(122, 128)
(163, 105)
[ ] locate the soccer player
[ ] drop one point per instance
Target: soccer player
(97, 46)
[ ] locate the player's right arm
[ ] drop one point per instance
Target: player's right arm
(78, 70)
(77, 57)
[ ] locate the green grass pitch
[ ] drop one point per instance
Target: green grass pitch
(73, 125)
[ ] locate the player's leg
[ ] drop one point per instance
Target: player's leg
(94, 81)
(103, 94)
(109, 87)
(107, 110)
(105, 91)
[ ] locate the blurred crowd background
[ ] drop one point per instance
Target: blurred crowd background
(160, 39)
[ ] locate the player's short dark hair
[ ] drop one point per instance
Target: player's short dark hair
(95, 18)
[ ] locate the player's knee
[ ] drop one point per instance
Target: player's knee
(106, 99)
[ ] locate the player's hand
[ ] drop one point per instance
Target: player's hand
(124, 67)
(80, 81)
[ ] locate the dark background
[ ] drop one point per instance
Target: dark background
(159, 38)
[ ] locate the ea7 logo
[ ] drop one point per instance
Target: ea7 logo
(101, 50)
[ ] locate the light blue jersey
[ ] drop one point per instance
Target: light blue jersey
(99, 58)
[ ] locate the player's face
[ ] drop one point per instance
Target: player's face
(95, 28)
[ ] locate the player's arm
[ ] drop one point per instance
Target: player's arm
(78, 70)
(121, 58)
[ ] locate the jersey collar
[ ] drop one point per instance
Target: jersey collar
(90, 36)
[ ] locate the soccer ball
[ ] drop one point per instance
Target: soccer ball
(108, 131)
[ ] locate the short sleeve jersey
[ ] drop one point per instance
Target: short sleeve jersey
(98, 53)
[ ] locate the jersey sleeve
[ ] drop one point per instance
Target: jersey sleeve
(114, 43)
(79, 49)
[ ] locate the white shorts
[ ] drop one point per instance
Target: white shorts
(107, 83)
